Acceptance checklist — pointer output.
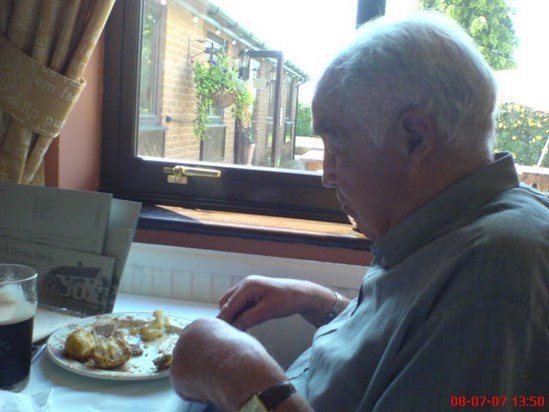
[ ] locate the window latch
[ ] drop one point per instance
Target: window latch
(179, 174)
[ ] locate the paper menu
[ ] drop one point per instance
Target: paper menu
(78, 242)
(124, 213)
(69, 219)
(121, 230)
(75, 281)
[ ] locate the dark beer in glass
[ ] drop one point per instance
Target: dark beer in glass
(17, 309)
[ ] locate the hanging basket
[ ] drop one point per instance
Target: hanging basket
(222, 99)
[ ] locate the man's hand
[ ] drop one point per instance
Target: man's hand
(257, 299)
(214, 362)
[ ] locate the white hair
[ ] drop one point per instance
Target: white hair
(425, 60)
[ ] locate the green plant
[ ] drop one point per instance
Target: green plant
(304, 120)
(488, 22)
(523, 132)
(218, 76)
(242, 104)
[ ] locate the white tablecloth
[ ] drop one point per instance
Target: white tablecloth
(69, 392)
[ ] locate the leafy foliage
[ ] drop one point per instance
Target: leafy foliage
(520, 129)
(304, 120)
(217, 76)
(523, 132)
(488, 22)
(243, 103)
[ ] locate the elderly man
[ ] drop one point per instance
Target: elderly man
(453, 311)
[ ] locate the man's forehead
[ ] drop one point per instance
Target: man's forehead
(326, 97)
(329, 119)
(324, 114)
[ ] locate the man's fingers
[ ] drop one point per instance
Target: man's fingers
(228, 294)
(235, 306)
(252, 316)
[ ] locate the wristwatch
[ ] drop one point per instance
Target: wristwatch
(270, 398)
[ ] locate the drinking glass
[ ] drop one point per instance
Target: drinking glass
(18, 301)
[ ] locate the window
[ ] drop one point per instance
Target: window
(159, 42)
(151, 132)
(263, 167)
(212, 149)
(289, 89)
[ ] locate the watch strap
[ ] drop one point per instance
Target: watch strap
(276, 394)
(270, 398)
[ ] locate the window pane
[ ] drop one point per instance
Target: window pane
(179, 35)
(521, 67)
(152, 149)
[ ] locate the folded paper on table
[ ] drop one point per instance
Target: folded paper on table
(48, 321)
(70, 219)
(121, 230)
(74, 281)
(78, 242)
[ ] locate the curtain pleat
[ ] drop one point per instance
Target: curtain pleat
(60, 35)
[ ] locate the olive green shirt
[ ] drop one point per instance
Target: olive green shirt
(455, 308)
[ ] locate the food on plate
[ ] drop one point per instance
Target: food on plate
(111, 342)
(159, 327)
(79, 345)
(110, 352)
(136, 349)
(163, 361)
(105, 328)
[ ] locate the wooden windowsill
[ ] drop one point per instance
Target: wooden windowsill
(256, 234)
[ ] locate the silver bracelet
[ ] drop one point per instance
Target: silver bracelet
(336, 308)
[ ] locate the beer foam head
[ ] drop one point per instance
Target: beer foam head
(11, 294)
(13, 305)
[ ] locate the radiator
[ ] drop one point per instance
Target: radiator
(203, 276)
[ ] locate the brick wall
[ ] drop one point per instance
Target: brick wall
(185, 39)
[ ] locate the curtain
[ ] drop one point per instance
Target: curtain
(45, 46)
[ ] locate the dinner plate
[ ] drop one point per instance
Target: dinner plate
(139, 367)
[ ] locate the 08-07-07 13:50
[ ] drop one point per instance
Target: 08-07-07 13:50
(497, 401)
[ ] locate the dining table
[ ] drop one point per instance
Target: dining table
(55, 389)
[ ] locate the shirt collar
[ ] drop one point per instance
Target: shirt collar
(426, 222)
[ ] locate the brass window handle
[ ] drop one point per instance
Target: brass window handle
(179, 174)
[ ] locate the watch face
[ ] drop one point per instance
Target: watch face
(254, 404)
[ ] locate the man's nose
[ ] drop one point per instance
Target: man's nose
(328, 175)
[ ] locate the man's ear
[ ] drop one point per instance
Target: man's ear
(419, 132)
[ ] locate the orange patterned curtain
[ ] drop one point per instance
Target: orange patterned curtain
(45, 46)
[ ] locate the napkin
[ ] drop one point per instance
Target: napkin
(19, 402)
(121, 398)
(47, 321)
